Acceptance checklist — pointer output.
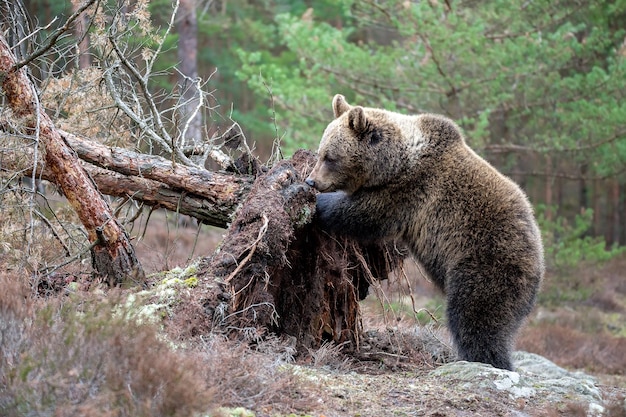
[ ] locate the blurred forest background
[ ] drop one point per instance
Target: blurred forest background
(537, 86)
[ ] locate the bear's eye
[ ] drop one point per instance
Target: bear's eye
(375, 137)
(329, 160)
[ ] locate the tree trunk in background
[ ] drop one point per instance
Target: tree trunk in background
(548, 190)
(615, 208)
(622, 213)
(559, 189)
(583, 198)
(113, 256)
(82, 37)
(187, 28)
(598, 227)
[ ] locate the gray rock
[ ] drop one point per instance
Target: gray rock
(535, 377)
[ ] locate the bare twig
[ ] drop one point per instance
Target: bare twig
(252, 248)
(52, 39)
(163, 137)
(252, 306)
(136, 118)
(54, 232)
(196, 83)
(277, 153)
(49, 270)
(168, 29)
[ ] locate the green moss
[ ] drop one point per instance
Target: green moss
(237, 412)
(191, 282)
(615, 324)
(155, 304)
(303, 216)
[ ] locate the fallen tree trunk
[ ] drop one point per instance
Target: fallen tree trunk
(211, 197)
(158, 195)
(113, 257)
(219, 189)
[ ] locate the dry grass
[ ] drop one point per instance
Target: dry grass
(257, 381)
(78, 355)
(575, 349)
(584, 329)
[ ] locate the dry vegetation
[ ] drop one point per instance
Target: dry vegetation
(71, 350)
(79, 354)
(586, 327)
(67, 348)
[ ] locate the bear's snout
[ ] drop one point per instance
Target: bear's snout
(310, 182)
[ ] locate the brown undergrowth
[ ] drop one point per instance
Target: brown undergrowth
(80, 354)
(580, 321)
(73, 354)
(574, 349)
(66, 349)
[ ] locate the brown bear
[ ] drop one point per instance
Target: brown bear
(383, 175)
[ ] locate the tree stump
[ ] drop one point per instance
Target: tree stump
(277, 271)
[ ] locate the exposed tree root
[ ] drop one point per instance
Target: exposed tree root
(276, 271)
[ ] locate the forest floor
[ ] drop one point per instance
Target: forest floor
(73, 353)
(579, 324)
(418, 392)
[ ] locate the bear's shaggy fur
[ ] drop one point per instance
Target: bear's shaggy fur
(384, 175)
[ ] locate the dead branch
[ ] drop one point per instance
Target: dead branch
(218, 188)
(210, 197)
(113, 256)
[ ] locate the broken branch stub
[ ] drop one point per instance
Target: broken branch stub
(276, 270)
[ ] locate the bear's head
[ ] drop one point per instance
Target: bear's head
(363, 147)
(367, 148)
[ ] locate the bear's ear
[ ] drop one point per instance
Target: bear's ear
(357, 120)
(340, 105)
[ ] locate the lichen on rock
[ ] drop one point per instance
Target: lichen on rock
(535, 378)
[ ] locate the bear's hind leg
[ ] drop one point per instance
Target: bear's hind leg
(490, 349)
(482, 334)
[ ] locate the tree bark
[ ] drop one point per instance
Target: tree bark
(210, 197)
(113, 256)
(187, 28)
(215, 186)
(82, 37)
(615, 211)
(549, 182)
(622, 211)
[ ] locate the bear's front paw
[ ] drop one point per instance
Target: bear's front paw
(328, 209)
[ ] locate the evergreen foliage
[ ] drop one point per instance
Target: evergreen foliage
(538, 87)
